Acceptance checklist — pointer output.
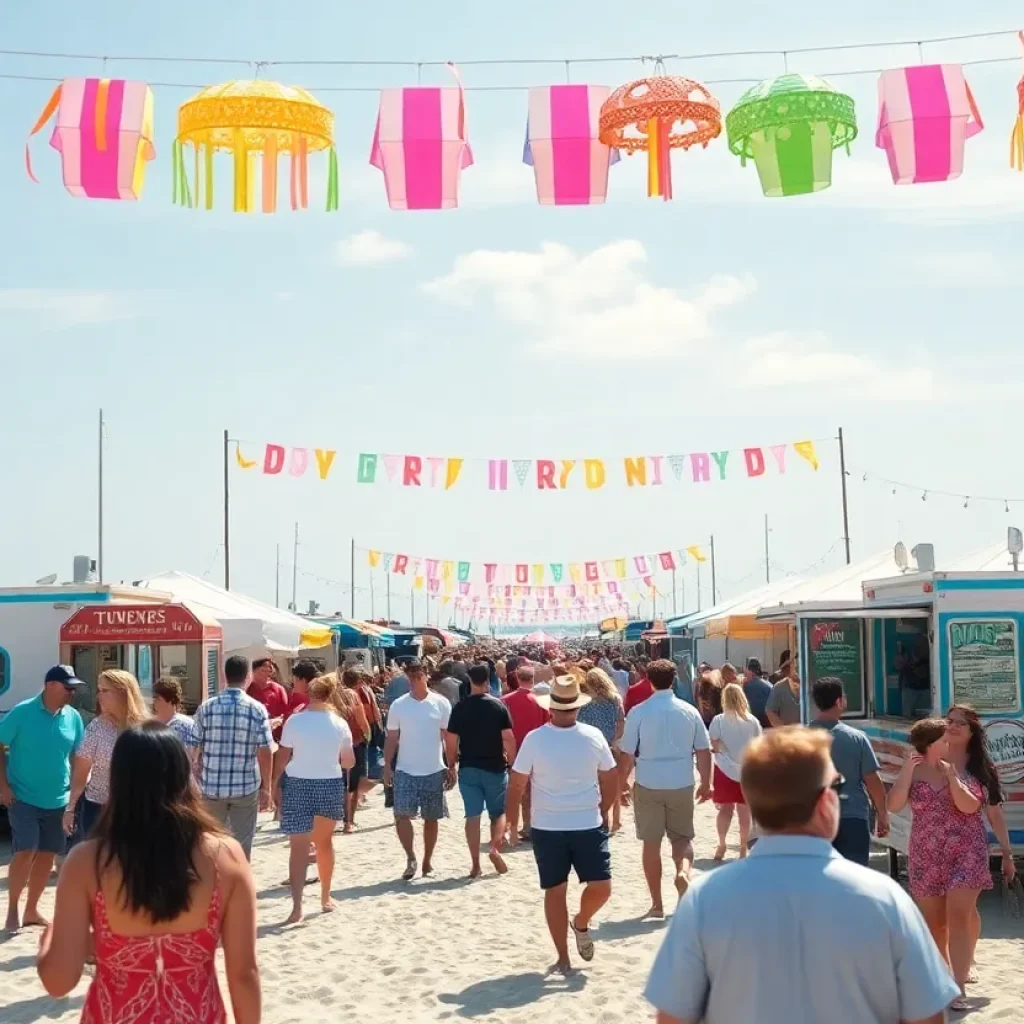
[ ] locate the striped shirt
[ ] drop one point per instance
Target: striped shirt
(229, 729)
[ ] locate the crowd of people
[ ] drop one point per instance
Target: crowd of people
(160, 811)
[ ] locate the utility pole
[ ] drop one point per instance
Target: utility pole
(846, 507)
(767, 566)
(295, 571)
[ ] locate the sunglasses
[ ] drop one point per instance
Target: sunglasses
(836, 785)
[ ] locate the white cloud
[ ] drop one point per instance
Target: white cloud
(598, 304)
(368, 248)
(62, 309)
(813, 366)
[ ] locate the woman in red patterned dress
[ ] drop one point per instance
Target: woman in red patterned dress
(948, 850)
(160, 886)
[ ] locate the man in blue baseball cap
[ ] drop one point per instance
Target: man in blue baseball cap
(38, 738)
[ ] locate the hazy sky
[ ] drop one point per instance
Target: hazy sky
(720, 320)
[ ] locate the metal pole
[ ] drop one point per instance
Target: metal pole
(352, 576)
(277, 578)
(295, 571)
(767, 566)
(698, 586)
(227, 517)
(846, 508)
(99, 506)
(674, 612)
(714, 585)
(372, 612)
(387, 581)
(412, 607)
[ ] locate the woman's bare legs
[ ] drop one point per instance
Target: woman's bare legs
(722, 822)
(743, 816)
(961, 908)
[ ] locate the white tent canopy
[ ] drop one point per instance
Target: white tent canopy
(250, 626)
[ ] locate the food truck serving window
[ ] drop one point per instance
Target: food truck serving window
(984, 664)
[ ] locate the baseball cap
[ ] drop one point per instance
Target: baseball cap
(63, 674)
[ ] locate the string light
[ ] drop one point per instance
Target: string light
(967, 501)
(924, 496)
(926, 493)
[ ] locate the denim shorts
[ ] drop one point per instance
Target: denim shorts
(557, 853)
(37, 828)
(853, 840)
(480, 788)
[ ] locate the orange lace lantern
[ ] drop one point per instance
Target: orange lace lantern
(660, 114)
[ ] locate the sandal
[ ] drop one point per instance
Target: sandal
(959, 1005)
(584, 943)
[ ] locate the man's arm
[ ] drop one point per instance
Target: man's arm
(771, 708)
(390, 749)
(265, 759)
(451, 747)
(704, 768)
(609, 783)
(876, 791)
(626, 762)
(508, 742)
(6, 793)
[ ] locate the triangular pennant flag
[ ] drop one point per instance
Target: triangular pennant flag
(388, 558)
(678, 464)
(243, 462)
(695, 553)
(373, 557)
(805, 449)
(556, 571)
(522, 468)
(391, 464)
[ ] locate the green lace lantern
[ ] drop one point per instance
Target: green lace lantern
(789, 127)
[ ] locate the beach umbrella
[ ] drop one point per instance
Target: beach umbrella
(256, 122)
(659, 114)
(925, 115)
(789, 127)
(540, 637)
(569, 161)
(104, 134)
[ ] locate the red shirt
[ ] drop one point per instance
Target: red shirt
(296, 702)
(638, 693)
(274, 697)
(526, 713)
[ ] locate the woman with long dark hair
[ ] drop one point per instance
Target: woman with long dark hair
(968, 751)
(161, 885)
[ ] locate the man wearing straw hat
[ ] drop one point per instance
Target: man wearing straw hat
(572, 775)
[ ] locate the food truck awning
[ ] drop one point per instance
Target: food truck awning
(248, 625)
(138, 624)
(354, 633)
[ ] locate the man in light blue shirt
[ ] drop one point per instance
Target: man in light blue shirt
(821, 940)
(662, 735)
(398, 687)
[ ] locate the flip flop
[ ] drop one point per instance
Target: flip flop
(959, 1005)
(410, 871)
(584, 943)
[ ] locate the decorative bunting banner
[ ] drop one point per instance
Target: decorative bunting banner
(529, 579)
(434, 472)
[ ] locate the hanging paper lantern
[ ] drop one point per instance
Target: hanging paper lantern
(569, 161)
(660, 114)
(925, 114)
(789, 127)
(104, 134)
(256, 122)
(420, 145)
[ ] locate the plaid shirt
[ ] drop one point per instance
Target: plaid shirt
(229, 729)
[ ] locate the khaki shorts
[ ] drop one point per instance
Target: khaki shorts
(663, 812)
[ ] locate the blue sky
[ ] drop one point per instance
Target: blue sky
(891, 312)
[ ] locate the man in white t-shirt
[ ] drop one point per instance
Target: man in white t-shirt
(571, 772)
(416, 727)
(662, 735)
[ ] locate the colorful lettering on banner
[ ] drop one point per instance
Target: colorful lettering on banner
(417, 583)
(324, 461)
(391, 464)
(608, 568)
(556, 571)
(299, 461)
(720, 460)
(546, 475)
(563, 477)
(497, 474)
(636, 471)
(522, 468)
(273, 459)
(435, 465)
(754, 458)
(388, 560)
(620, 568)
(463, 588)
(447, 570)
(434, 586)
(490, 570)
(700, 466)
(454, 468)
(464, 571)
(640, 561)
(574, 572)
(522, 573)
(401, 564)
(243, 462)
(591, 571)
(677, 463)
(655, 469)
(373, 557)
(412, 466)
(431, 568)
(594, 473)
(613, 587)
(667, 561)
(537, 572)
(779, 452)
(805, 449)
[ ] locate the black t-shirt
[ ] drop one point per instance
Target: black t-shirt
(479, 721)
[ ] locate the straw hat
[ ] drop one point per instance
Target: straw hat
(565, 695)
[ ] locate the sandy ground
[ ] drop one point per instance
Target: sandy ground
(447, 949)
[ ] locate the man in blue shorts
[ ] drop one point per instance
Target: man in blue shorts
(572, 773)
(481, 740)
(40, 736)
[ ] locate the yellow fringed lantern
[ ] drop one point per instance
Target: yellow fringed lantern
(256, 121)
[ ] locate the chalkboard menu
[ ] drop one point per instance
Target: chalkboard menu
(836, 649)
(983, 663)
